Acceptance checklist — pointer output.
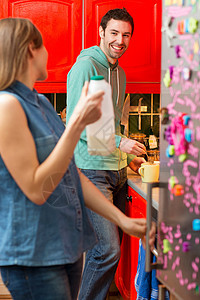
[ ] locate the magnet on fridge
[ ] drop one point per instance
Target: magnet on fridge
(182, 157)
(188, 134)
(196, 224)
(193, 25)
(186, 73)
(197, 290)
(171, 71)
(166, 246)
(178, 190)
(191, 55)
(177, 51)
(181, 27)
(186, 247)
(172, 181)
(196, 47)
(168, 136)
(186, 120)
(167, 79)
(170, 151)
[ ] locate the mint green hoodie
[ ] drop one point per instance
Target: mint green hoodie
(90, 62)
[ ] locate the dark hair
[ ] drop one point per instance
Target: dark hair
(117, 14)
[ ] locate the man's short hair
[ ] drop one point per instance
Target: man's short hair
(117, 14)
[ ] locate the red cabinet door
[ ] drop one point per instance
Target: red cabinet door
(142, 61)
(127, 268)
(60, 24)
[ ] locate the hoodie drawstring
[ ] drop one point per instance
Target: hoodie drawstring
(117, 86)
(109, 76)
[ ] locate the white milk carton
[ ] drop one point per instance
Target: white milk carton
(101, 134)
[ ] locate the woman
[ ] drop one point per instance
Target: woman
(43, 223)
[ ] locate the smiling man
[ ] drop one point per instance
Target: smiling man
(108, 173)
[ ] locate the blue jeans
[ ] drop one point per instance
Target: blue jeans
(101, 261)
(43, 283)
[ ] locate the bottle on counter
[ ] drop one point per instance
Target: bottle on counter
(101, 134)
(152, 140)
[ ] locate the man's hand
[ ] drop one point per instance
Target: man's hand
(135, 164)
(132, 147)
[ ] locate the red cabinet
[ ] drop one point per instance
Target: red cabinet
(142, 61)
(60, 24)
(126, 271)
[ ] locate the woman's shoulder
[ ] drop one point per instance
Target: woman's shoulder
(10, 107)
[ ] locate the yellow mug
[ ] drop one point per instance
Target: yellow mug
(149, 172)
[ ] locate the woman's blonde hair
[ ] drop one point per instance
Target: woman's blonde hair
(15, 36)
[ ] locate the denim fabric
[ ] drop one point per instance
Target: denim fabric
(101, 262)
(43, 283)
(58, 231)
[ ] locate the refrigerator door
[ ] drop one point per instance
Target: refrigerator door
(179, 205)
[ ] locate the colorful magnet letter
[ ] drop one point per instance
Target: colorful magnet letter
(186, 246)
(178, 190)
(186, 73)
(193, 25)
(196, 47)
(168, 136)
(188, 134)
(171, 71)
(166, 246)
(172, 181)
(177, 51)
(186, 120)
(196, 224)
(167, 79)
(170, 151)
(197, 290)
(182, 157)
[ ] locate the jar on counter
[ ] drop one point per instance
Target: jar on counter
(153, 155)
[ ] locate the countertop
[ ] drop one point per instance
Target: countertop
(135, 182)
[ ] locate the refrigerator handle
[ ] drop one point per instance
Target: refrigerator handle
(148, 265)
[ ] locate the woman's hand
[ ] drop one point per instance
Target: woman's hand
(88, 108)
(152, 236)
(137, 228)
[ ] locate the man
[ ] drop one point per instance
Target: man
(108, 173)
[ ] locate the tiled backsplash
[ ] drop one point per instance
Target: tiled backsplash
(150, 116)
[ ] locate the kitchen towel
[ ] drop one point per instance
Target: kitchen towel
(146, 283)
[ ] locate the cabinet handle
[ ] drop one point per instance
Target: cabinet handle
(129, 198)
(148, 265)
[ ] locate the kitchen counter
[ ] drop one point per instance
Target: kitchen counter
(135, 182)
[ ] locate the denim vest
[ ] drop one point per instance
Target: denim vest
(58, 231)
